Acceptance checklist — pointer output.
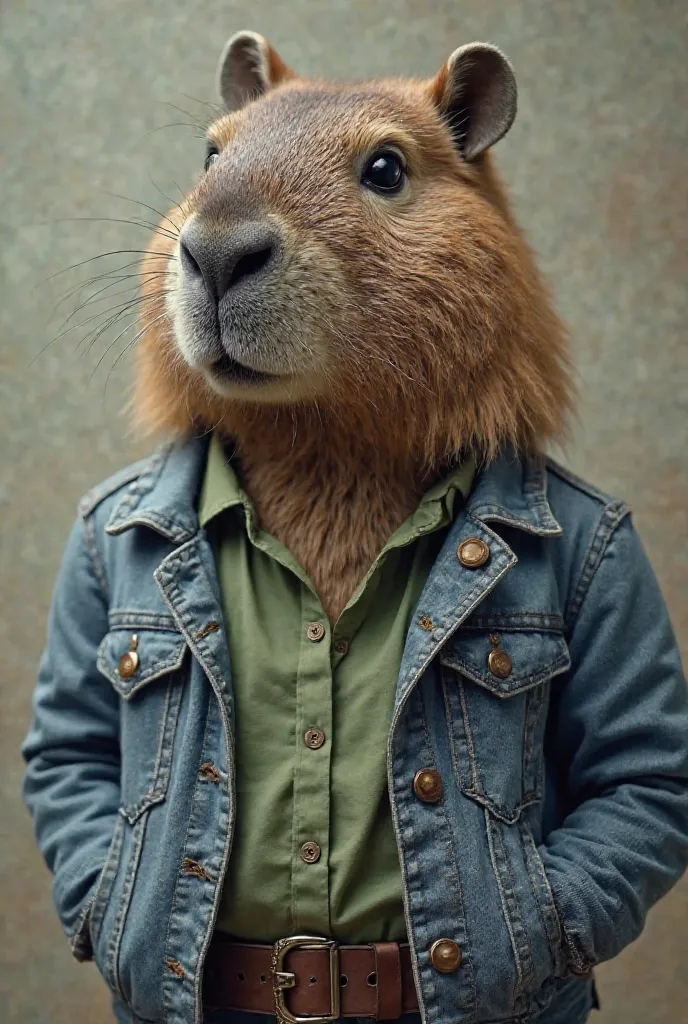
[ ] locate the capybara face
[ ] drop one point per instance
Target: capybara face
(348, 248)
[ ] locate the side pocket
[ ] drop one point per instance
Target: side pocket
(113, 898)
(106, 881)
(544, 898)
(84, 936)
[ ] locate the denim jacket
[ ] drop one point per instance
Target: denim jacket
(565, 808)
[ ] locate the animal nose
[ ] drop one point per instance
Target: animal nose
(221, 261)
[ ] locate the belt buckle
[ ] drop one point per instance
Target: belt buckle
(282, 980)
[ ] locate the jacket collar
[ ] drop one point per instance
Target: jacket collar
(165, 495)
(511, 490)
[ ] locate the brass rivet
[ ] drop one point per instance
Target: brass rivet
(428, 786)
(473, 552)
(315, 632)
(425, 623)
(499, 663)
(445, 956)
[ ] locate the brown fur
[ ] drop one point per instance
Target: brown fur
(427, 322)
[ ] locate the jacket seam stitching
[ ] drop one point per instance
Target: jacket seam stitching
(94, 555)
(612, 516)
(577, 482)
(98, 494)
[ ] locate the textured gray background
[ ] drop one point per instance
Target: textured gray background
(596, 164)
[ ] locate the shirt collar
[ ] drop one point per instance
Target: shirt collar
(222, 490)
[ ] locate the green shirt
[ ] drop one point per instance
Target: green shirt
(314, 849)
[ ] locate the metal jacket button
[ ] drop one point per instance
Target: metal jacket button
(428, 786)
(499, 663)
(129, 662)
(445, 956)
(473, 552)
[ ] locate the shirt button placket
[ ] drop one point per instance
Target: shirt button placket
(310, 872)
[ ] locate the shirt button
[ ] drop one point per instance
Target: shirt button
(499, 663)
(445, 956)
(310, 853)
(315, 632)
(472, 553)
(428, 786)
(341, 646)
(314, 738)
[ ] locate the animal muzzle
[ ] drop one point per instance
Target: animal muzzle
(220, 262)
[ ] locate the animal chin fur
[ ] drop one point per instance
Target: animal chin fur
(462, 355)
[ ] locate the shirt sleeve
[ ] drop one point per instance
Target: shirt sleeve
(621, 734)
(72, 782)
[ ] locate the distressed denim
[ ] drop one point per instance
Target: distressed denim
(565, 808)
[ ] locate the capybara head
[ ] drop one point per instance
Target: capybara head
(348, 258)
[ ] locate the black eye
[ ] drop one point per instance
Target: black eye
(212, 156)
(384, 172)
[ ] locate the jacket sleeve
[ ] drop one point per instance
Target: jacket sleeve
(622, 734)
(72, 782)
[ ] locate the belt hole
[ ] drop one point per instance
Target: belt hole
(313, 981)
(343, 981)
(241, 976)
(372, 979)
(263, 979)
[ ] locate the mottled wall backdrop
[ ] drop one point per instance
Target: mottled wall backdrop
(596, 163)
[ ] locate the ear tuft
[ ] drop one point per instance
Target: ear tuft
(476, 93)
(248, 68)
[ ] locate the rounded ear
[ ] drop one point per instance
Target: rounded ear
(476, 93)
(248, 68)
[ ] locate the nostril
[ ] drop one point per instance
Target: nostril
(249, 264)
(189, 262)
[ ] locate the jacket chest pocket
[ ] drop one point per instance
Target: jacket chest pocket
(496, 689)
(144, 666)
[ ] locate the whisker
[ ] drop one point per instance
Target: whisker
(123, 291)
(132, 311)
(139, 335)
(169, 200)
(147, 225)
(137, 202)
(177, 124)
(99, 277)
(113, 252)
(135, 278)
(200, 123)
(94, 300)
(219, 110)
(90, 319)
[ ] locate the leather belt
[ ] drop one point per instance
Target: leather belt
(311, 979)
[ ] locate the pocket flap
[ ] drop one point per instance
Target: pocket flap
(536, 655)
(157, 651)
